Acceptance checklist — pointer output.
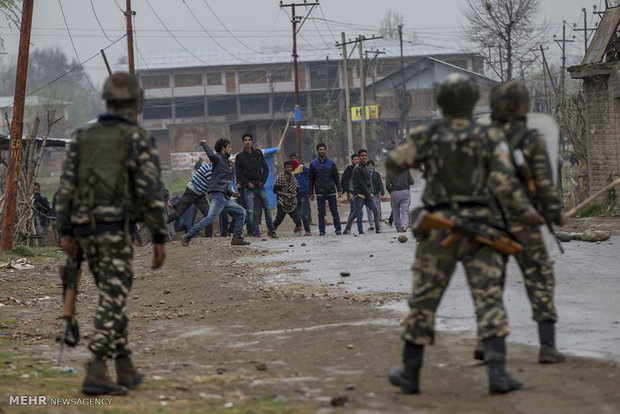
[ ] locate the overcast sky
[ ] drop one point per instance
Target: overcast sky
(170, 25)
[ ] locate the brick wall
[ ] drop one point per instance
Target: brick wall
(602, 96)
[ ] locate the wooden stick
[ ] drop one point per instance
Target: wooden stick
(590, 199)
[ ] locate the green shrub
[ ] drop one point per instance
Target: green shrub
(594, 209)
(22, 250)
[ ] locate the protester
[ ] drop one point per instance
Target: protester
(286, 187)
(400, 198)
(323, 180)
(301, 173)
(361, 192)
(347, 187)
(376, 189)
(42, 209)
(252, 172)
(195, 193)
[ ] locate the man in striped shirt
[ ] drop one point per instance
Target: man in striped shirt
(195, 193)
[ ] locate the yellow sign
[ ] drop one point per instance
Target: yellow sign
(372, 112)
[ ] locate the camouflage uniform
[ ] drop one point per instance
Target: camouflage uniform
(465, 165)
(100, 217)
(509, 102)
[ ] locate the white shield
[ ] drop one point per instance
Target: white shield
(546, 126)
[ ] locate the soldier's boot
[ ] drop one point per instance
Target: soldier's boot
(126, 373)
(479, 351)
(237, 240)
(98, 381)
(548, 353)
(408, 376)
(500, 381)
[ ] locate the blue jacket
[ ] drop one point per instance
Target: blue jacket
(324, 177)
(301, 174)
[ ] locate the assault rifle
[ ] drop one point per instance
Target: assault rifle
(70, 276)
(425, 220)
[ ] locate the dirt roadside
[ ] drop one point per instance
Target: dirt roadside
(208, 331)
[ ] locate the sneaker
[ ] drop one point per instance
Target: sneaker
(371, 228)
(297, 229)
(338, 232)
(361, 232)
(322, 234)
(345, 232)
(307, 233)
(186, 239)
(272, 234)
(237, 240)
(403, 229)
(378, 231)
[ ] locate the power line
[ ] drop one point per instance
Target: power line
(98, 22)
(226, 28)
(74, 49)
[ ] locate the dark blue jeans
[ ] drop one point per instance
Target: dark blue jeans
(249, 205)
(303, 207)
(333, 208)
(219, 202)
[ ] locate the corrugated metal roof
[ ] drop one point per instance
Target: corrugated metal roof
(180, 59)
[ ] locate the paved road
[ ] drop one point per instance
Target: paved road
(587, 287)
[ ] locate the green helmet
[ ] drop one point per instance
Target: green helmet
(457, 96)
(121, 90)
(509, 101)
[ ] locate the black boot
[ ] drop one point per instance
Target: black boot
(548, 353)
(500, 381)
(97, 380)
(237, 240)
(408, 377)
(126, 373)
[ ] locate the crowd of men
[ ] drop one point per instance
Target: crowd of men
(112, 180)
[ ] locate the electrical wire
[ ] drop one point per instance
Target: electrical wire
(98, 22)
(74, 49)
(226, 28)
(328, 28)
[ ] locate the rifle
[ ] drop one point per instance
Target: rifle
(70, 276)
(425, 220)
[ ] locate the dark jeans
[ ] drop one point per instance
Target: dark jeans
(333, 208)
(360, 217)
(359, 204)
(249, 203)
(303, 207)
(280, 214)
(187, 199)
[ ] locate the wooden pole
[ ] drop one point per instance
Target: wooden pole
(129, 15)
(360, 45)
(593, 197)
(17, 125)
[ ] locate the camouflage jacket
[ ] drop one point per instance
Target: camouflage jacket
(144, 176)
(536, 167)
(465, 166)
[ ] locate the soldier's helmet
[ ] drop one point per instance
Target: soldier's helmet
(509, 101)
(457, 96)
(121, 90)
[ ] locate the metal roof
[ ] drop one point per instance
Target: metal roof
(182, 59)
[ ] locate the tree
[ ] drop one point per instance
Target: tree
(389, 25)
(505, 30)
(11, 11)
(51, 70)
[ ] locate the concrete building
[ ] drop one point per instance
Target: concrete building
(210, 95)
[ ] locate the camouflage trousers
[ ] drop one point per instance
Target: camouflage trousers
(539, 279)
(432, 270)
(109, 258)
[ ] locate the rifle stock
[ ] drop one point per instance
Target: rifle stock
(425, 220)
(70, 275)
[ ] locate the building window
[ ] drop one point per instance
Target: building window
(259, 76)
(222, 106)
(157, 109)
(387, 69)
(190, 107)
(193, 79)
(283, 75)
(155, 81)
(283, 102)
(214, 78)
(257, 104)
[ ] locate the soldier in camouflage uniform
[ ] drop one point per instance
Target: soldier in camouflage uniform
(509, 104)
(465, 166)
(111, 180)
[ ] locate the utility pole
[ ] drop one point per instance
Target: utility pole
(347, 95)
(295, 20)
(585, 29)
(129, 15)
(360, 46)
(406, 100)
(562, 44)
(17, 125)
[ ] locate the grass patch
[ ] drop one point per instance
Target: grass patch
(176, 186)
(32, 253)
(592, 210)
(23, 251)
